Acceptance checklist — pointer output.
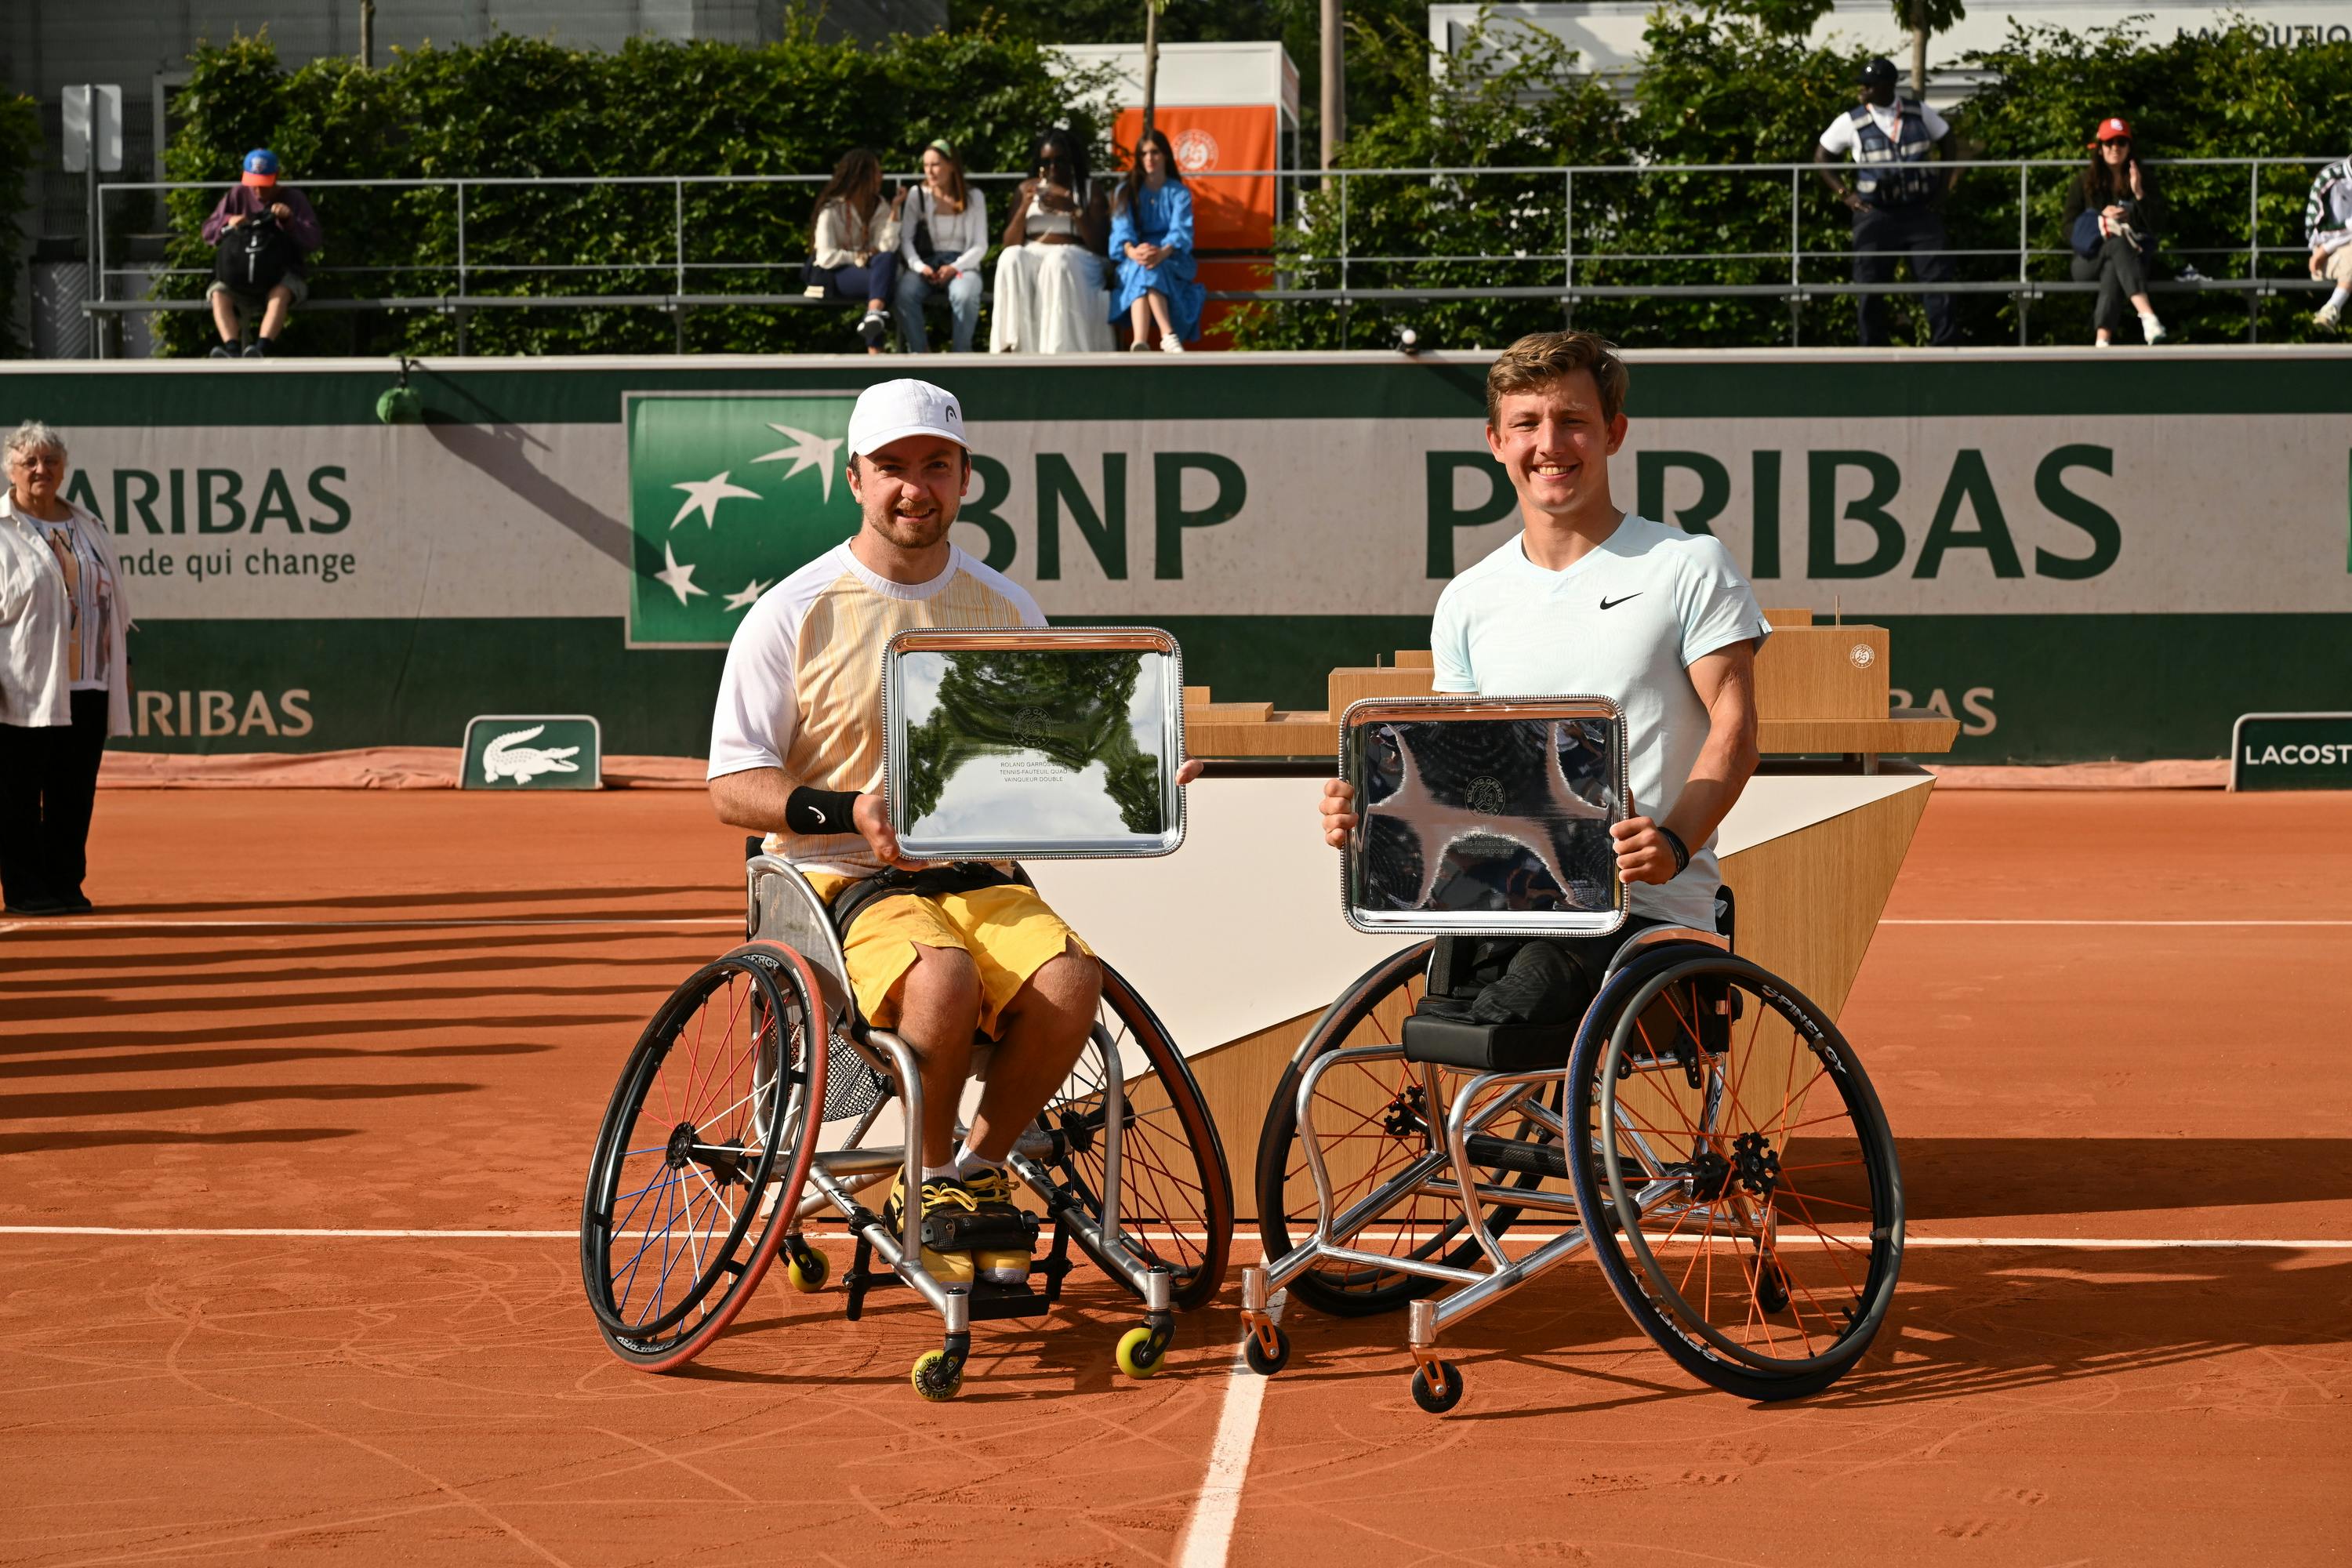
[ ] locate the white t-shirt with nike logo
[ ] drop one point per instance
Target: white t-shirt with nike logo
(1625, 622)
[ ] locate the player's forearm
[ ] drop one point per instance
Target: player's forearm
(752, 799)
(1724, 765)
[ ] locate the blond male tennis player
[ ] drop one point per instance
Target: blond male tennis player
(1591, 599)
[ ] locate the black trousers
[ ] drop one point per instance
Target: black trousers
(1883, 234)
(48, 782)
(2120, 271)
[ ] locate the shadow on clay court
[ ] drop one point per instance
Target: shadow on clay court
(207, 1062)
(102, 978)
(448, 899)
(282, 952)
(232, 998)
(148, 1137)
(78, 1103)
(296, 1029)
(1962, 1322)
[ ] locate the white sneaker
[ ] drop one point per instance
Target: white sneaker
(1171, 344)
(2328, 315)
(2152, 330)
(2104, 343)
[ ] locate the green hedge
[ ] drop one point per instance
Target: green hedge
(1723, 87)
(20, 144)
(518, 107)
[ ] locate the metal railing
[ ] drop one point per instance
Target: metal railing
(1344, 278)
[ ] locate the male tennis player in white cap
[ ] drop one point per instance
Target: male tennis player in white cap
(796, 752)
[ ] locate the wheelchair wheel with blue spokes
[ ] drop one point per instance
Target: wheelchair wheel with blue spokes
(1726, 1128)
(703, 1150)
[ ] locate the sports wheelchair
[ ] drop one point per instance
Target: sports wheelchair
(1705, 1129)
(741, 1118)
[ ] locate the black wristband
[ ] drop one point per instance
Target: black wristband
(811, 811)
(1675, 842)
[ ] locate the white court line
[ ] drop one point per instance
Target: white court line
(381, 925)
(1209, 1532)
(2028, 1243)
(2005, 922)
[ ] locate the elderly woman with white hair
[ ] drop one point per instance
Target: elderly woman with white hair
(64, 674)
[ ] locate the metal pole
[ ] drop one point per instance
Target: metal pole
(1343, 249)
(2023, 294)
(461, 265)
(1796, 280)
(680, 188)
(96, 251)
(1567, 246)
(2253, 250)
(1334, 69)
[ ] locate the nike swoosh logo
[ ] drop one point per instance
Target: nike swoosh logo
(1612, 604)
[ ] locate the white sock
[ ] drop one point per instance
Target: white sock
(942, 1172)
(968, 1165)
(2341, 294)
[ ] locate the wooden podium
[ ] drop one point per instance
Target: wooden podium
(1238, 939)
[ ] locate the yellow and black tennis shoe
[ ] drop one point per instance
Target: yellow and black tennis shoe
(992, 1189)
(943, 1195)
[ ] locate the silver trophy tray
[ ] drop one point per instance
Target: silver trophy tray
(1053, 742)
(1484, 815)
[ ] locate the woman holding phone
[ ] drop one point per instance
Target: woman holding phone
(1050, 298)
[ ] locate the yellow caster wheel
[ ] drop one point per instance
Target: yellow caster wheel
(936, 1377)
(808, 1276)
(1137, 1358)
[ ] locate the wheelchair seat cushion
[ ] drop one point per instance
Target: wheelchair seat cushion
(1430, 1036)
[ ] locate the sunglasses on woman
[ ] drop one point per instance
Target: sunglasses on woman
(2115, 141)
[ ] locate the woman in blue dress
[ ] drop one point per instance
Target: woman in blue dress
(1151, 239)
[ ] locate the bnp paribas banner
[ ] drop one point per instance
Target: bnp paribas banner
(2079, 557)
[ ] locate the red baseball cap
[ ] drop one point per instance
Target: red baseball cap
(2114, 127)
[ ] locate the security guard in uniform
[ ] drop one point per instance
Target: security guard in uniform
(1894, 196)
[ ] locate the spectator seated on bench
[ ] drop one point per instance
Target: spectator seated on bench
(943, 239)
(262, 233)
(856, 252)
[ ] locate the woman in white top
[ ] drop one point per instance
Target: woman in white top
(943, 239)
(856, 248)
(1050, 298)
(64, 675)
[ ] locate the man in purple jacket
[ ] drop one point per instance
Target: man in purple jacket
(260, 193)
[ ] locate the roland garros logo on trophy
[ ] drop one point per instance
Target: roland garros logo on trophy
(728, 496)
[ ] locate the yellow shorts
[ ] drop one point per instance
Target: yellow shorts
(1008, 930)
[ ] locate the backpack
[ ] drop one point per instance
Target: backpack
(255, 257)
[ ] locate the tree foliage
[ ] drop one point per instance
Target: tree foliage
(1741, 86)
(522, 107)
(20, 144)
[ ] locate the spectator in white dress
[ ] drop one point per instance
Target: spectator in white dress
(1050, 298)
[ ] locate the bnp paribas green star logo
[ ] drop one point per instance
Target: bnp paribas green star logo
(728, 496)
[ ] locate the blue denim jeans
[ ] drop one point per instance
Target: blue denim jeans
(963, 306)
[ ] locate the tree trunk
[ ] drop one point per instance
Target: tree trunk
(1335, 83)
(1150, 73)
(1919, 50)
(367, 34)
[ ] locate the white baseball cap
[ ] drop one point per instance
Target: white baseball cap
(890, 410)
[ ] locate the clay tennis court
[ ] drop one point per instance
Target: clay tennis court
(350, 1028)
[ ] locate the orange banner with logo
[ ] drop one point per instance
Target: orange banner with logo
(1227, 215)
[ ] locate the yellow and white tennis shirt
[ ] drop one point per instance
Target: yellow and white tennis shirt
(802, 689)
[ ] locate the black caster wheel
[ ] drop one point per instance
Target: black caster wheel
(1771, 1286)
(1442, 1396)
(1262, 1362)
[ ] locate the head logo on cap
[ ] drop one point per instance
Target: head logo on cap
(893, 410)
(261, 167)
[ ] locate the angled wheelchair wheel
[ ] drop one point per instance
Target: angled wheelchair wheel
(1176, 1194)
(1723, 1123)
(702, 1154)
(1375, 1121)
